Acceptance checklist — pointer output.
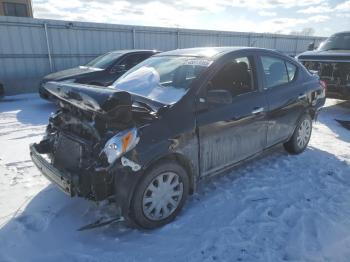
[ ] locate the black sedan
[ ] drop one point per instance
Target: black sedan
(102, 71)
(173, 120)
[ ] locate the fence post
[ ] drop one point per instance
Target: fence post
(48, 46)
(134, 38)
(178, 39)
(296, 45)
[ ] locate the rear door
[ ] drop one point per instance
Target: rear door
(229, 133)
(285, 95)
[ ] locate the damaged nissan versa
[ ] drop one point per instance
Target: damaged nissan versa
(173, 120)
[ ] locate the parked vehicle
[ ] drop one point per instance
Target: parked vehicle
(101, 71)
(332, 62)
(173, 120)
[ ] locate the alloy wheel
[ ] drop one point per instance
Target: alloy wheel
(304, 133)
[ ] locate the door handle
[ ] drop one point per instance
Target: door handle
(257, 110)
(302, 96)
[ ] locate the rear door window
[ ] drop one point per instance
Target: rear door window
(275, 71)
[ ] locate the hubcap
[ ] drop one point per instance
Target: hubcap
(304, 133)
(162, 196)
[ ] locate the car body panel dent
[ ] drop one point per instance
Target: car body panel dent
(231, 133)
(204, 137)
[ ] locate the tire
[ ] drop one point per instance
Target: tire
(301, 136)
(159, 196)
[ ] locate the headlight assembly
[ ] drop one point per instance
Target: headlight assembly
(120, 144)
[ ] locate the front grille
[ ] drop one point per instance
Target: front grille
(68, 153)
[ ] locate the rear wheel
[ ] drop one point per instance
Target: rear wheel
(160, 195)
(301, 136)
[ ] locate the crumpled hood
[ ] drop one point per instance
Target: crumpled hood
(330, 56)
(107, 102)
(70, 73)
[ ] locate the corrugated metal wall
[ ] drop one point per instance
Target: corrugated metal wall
(26, 45)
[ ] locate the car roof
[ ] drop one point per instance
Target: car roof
(212, 52)
(130, 51)
(344, 32)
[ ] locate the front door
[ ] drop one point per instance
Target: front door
(231, 132)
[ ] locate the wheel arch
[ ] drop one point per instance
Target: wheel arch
(183, 161)
(126, 185)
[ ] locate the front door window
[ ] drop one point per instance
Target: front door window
(236, 77)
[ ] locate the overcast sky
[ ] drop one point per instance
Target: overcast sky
(281, 16)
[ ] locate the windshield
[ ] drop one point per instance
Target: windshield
(336, 42)
(164, 79)
(104, 61)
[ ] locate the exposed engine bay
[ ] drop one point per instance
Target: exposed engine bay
(84, 138)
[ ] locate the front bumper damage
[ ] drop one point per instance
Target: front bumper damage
(95, 184)
(63, 180)
(71, 153)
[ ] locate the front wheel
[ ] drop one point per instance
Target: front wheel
(160, 195)
(301, 136)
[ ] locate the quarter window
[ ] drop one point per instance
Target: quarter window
(292, 69)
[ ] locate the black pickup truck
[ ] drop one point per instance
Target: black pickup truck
(332, 62)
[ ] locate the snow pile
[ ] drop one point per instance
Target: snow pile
(278, 207)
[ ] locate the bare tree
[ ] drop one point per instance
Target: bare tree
(308, 31)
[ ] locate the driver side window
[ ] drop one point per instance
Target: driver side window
(236, 77)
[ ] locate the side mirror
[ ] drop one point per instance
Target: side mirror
(311, 46)
(219, 96)
(118, 69)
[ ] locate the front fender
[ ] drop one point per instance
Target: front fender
(183, 149)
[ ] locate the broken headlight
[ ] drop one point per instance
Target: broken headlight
(119, 144)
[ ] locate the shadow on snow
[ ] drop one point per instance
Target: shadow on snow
(257, 212)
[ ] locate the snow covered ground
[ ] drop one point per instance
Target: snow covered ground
(276, 208)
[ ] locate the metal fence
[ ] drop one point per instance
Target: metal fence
(31, 48)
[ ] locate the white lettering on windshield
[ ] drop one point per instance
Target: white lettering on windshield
(198, 62)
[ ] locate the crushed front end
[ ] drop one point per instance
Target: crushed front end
(83, 140)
